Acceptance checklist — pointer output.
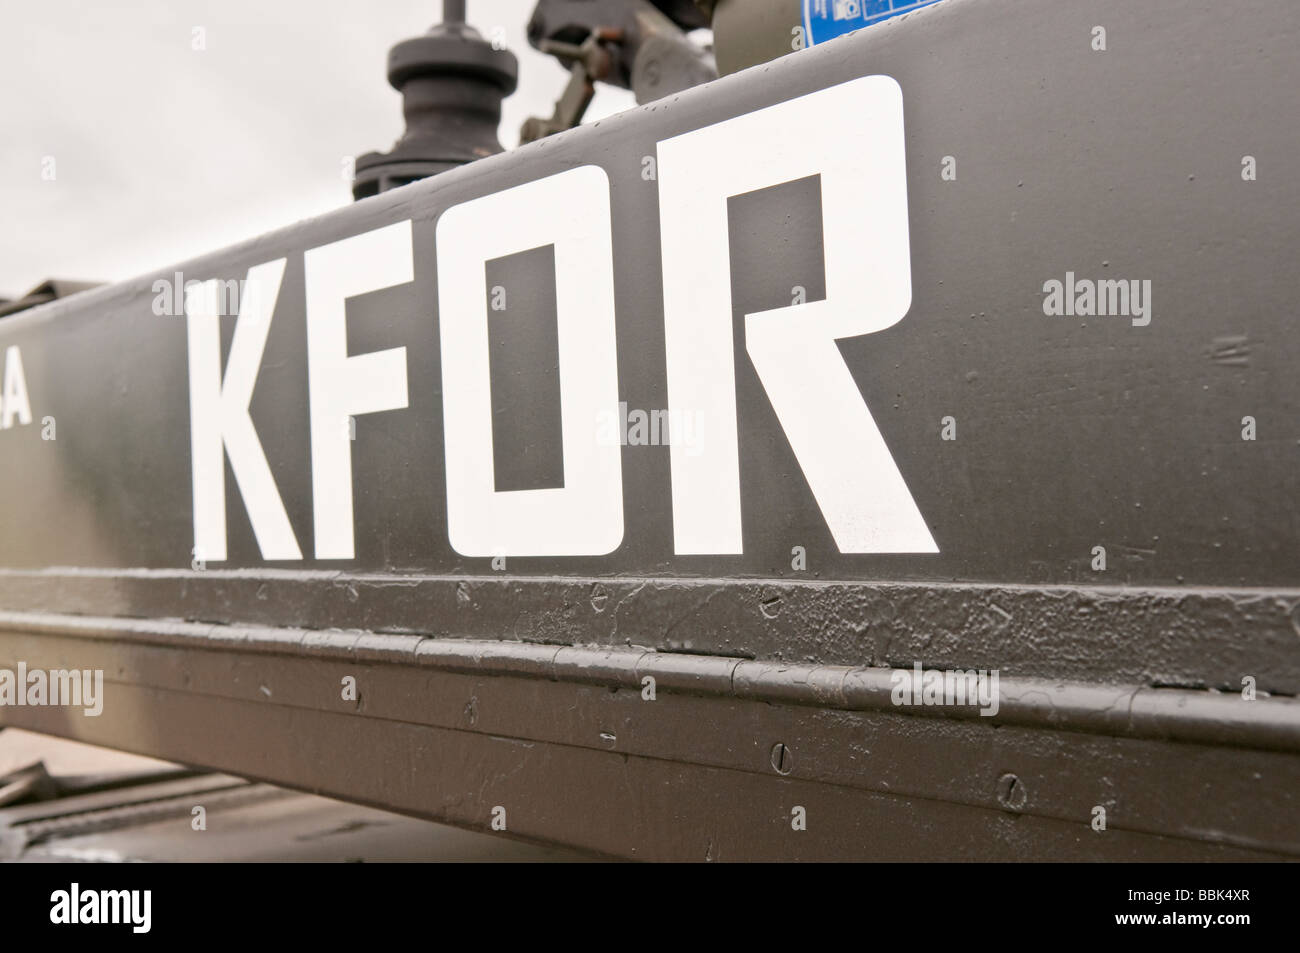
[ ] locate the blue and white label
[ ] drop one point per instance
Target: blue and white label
(826, 19)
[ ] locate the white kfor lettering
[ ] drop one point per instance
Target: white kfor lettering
(219, 419)
(340, 386)
(850, 135)
(571, 212)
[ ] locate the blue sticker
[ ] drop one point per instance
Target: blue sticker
(826, 19)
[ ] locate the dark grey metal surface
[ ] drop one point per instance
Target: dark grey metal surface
(1072, 433)
(1179, 637)
(566, 741)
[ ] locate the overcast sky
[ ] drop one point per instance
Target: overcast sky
(162, 152)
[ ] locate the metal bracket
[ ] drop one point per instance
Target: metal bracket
(591, 61)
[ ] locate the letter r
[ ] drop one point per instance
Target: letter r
(851, 136)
